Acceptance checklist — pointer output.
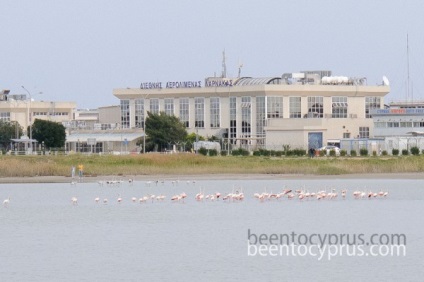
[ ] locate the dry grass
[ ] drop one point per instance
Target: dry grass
(185, 164)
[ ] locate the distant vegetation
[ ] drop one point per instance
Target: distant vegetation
(189, 164)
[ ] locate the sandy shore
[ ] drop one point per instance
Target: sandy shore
(63, 179)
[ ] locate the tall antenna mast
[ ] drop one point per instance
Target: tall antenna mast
(407, 66)
(239, 69)
(224, 66)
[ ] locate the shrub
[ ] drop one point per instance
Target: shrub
(203, 151)
(353, 153)
(240, 152)
(213, 152)
(322, 153)
(343, 153)
(363, 152)
(415, 151)
(299, 152)
(384, 153)
(405, 152)
(395, 152)
(332, 153)
(279, 153)
(374, 153)
(288, 153)
(223, 153)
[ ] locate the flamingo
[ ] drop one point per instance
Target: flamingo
(97, 199)
(105, 201)
(6, 202)
(74, 201)
(176, 198)
(119, 198)
(133, 199)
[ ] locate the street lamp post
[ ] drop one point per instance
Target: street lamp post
(29, 119)
(144, 123)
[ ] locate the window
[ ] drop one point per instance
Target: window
(5, 116)
(393, 124)
(199, 112)
(125, 113)
(315, 107)
(215, 112)
(184, 111)
(339, 107)
(418, 124)
(364, 132)
(260, 119)
(246, 115)
(371, 103)
(346, 134)
(139, 113)
(274, 107)
(380, 124)
(405, 124)
(295, 110)
(233, 120)
(169, 107)
(154, 106)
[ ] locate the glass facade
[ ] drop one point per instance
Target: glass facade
(233, 120)
(246, 120)
(154, 106)
(215, 112)
(139, 113)
(169, 107)
(199, 112)
(125, 113)
(339, 107)
(185, 111)
(295, 107)
(315, 107)
(371, 103)
(260, 120)
(274, 107)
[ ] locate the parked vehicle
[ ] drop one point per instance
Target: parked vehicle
(327, 150)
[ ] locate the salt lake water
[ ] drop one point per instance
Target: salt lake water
(43, 237)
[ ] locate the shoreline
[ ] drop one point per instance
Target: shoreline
(90, 179)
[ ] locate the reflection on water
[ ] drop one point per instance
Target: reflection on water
(44, 237)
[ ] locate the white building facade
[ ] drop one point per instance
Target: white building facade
(302, 110)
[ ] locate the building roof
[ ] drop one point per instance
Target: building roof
(257, 81)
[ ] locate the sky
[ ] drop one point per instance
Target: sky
(81, 50)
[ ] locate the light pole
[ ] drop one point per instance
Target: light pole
(144, 123)
(29, 119)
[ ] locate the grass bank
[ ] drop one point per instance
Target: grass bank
(189, 164)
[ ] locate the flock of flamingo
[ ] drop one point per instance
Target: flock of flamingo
(236, 195)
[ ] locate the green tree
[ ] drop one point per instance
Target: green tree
(9, 130)
(191, 138)
(51, 133)
(163, 130)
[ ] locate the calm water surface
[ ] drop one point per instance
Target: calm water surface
(44, 237)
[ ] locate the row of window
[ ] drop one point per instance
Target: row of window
(270, 107)
(51, 114)
(392, 124)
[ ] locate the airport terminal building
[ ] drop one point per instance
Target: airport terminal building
(303, 110)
